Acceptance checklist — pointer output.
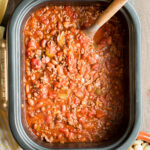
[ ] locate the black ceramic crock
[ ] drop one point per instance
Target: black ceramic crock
(129, 129)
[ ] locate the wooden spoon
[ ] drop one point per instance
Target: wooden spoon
(104, 17)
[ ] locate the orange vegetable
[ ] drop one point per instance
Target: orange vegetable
(144, 136)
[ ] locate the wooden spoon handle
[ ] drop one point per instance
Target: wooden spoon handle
(110, 11)
(105, 16)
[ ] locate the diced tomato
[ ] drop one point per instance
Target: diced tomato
(52, 94)
(58, 85)
(75, 15)
(77, 101)
(68, 115)
(65, 131)
(36, 63)
(29, 53)
(70, 136)
(82, 120)
(99, 114)
(84, 110)
(82, 39)
(44, 20)
(60, 53)
(48, 119)
(69, 11)
(39, 104)
(44, 92)
(92, 113)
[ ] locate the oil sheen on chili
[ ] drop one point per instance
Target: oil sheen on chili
(73, 87)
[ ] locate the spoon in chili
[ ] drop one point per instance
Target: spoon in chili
(112, 9)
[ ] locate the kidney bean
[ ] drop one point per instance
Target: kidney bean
(31, 102)
(95, 67)
(27, 88)
(77, 101)
(60, 70)
(63, 108)
(43, 43)
(36, 63)
(79, 94)
(35, 126)
(60, 26)
(43, 109)
(89, 88)
(60, 136)
(70, 136)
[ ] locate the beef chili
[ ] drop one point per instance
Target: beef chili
(73, 87)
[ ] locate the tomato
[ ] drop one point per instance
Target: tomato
(68, 115)
(52, 94)
(48, 119)
(77, 101)
(58, 85)
(99, 114)
(91, 113)
(82, 39)
(29, 53)
(72, 14)
(69, 11)
(82, 120)
(36, 63)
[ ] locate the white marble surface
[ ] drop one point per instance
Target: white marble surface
(143, 9)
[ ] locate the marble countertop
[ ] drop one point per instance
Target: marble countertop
(143, 9)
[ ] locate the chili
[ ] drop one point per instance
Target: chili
(73, 86)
